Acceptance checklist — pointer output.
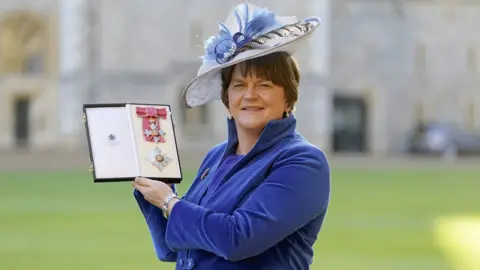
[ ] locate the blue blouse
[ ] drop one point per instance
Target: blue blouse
(227, 165)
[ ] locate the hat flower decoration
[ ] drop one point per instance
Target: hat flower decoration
(248, 32)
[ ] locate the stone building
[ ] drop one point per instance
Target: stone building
(368, 75)
(404, 62)
(28, 73)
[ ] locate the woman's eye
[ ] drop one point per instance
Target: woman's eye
(264, 85)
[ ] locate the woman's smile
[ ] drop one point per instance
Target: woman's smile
(252, 109)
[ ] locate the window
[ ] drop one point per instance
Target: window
(22, 44)
(22, 121)
(349, 124)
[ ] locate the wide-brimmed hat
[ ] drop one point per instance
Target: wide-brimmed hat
(248, 32)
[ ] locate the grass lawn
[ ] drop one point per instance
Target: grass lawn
(377, 220)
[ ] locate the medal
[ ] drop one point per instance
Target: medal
(158, 159)
(151, 124)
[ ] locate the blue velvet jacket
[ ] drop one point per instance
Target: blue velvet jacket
(264, 213)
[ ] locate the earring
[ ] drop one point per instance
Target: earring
(230, 116)
(286, 114)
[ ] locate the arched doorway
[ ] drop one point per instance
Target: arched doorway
(350, 124)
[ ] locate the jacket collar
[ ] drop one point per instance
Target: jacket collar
(274, 131)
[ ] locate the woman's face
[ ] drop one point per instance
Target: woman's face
(253, 101)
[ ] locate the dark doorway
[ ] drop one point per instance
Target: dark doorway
(22, 121)
(350, 124)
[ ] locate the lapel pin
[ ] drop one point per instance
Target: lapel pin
(205, 173)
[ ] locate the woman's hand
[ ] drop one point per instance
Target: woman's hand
(153, 191)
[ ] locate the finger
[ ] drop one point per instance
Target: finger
(142, 181)
(140, 188)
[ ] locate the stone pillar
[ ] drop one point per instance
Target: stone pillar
(73, 38)
(319, 43)
(323, 127)
(378, 112)
(314, 114)
(6, 118)
(320, 97)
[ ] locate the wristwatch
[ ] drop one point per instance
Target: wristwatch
(166, 202)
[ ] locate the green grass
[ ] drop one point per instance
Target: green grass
(377, 220)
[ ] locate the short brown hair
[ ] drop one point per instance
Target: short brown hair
(280, 68)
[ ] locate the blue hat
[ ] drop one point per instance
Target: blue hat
(248, 32)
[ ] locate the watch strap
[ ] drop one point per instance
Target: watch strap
(166, 202)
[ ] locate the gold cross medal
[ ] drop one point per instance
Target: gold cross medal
(158, 159)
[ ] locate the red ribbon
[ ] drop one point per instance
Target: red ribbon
(154, 114)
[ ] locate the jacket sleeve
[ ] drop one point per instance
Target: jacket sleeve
(295, 192)
(157, 225)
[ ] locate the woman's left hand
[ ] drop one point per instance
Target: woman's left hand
(153, 191)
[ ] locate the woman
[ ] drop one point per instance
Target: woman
(259, 199)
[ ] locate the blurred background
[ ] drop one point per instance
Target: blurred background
(390, 91)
